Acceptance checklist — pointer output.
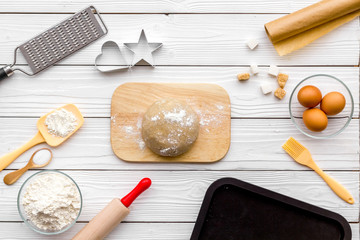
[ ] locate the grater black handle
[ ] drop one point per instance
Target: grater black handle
(5, 72)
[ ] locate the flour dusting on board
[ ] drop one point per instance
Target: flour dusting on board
(139, 123)
(136, 132)
(210, 116)
(141, 143)
(113, 119)
(130, 131)
(220, 107)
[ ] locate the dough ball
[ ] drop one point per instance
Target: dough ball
(170, 127)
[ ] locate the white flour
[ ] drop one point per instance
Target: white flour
(220, 107)
(174, 116)
(131, 131)
(61, 123)
(51, 201)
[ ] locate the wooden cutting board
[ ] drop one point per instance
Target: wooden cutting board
(211, 102)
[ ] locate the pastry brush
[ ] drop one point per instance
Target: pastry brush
(302, 155)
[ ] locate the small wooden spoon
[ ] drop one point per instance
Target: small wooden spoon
(12, 177)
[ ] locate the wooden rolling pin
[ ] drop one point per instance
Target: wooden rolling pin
(103, 223)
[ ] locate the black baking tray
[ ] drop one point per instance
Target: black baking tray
(236, 210)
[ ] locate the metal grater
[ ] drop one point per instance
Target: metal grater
(58, 42)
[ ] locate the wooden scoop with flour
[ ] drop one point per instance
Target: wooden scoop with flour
(42, 136)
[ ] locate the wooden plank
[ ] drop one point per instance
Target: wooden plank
(355, 230)
(168, 210)
(125, 231)
(191, 39)
(176, 196)
(255, 145)
(91, 90)
(159, 6)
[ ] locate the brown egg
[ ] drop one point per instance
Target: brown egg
(333, 103)
(309, 96)
(315, 119)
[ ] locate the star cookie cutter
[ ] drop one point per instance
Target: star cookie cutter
(142, 50)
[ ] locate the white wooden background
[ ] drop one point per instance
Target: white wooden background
(204, 41)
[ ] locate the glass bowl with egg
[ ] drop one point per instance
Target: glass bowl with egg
(321, 106)
(49, 202)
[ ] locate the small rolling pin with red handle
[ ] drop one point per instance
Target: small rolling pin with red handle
(103, 223)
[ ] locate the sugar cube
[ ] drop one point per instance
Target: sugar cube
(254, 69)
(266, 88)
(273, 70)
(252, 43)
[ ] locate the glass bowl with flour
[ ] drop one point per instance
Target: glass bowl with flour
(49, 202)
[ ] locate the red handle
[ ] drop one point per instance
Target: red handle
(141, 187)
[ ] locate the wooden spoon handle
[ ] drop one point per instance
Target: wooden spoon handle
(12, 177)
(10, 157)
(339, 189)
